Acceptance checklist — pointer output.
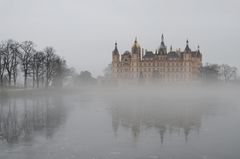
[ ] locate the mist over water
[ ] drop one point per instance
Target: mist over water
(121, 122)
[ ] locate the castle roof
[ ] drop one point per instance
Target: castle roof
(172, 54)
(149, 54)
(127, 53)
(187, 48)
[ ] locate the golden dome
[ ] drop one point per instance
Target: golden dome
(136, 44)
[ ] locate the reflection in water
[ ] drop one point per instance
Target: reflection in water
(83, 126)
(21, 118)
(179, 117)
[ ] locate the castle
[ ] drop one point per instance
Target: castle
(159, 66)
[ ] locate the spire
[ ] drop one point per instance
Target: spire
(171, 48)
(115, 51)
(198, 51)
(162, 49)
(135, 40)
(187, 49)
(162, 43)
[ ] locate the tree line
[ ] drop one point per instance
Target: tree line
(21, 61)
(215, 72)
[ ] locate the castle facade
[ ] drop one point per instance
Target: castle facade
(163, 65)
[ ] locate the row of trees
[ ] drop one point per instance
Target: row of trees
(84, 78)
(214, 72)
(38, 68)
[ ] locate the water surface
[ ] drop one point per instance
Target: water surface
(168, 125)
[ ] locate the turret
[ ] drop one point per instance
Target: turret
(198, 52)
(136, 58)
(187, 49)
(115, 61)
(136, 49)
(199, 56)
(115, 54)
(187, 52)
(162, 49)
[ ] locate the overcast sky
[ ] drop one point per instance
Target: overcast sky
(84, 31)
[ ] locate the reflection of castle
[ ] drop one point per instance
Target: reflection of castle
(166, 66)
(166, 119)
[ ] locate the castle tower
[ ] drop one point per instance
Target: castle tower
(136, 49)
(162, 49)
(187, 61)
(187, 52)
(136, 59)
(115, 61)
(187, 48)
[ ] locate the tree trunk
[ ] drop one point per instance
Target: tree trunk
(42, 81)
(37, 77)
(33, 78)
(9, 79)
(15, 78)
(46, 84)
(1, 80)
(47, 79)
(15, 71)
(25, 78)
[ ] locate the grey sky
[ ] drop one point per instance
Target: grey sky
(84, 31)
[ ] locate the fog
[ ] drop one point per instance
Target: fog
(59, 98)
(152, 121)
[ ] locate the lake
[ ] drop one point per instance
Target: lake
(159, 123)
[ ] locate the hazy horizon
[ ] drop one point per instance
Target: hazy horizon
(84, 32)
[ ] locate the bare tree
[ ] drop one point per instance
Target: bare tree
(49, 64)
(227, 72)
(210, 72)
(2, 63)
(10, 54)
(39, 60)
(27, 48)
(60, 71)
(44, 67)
